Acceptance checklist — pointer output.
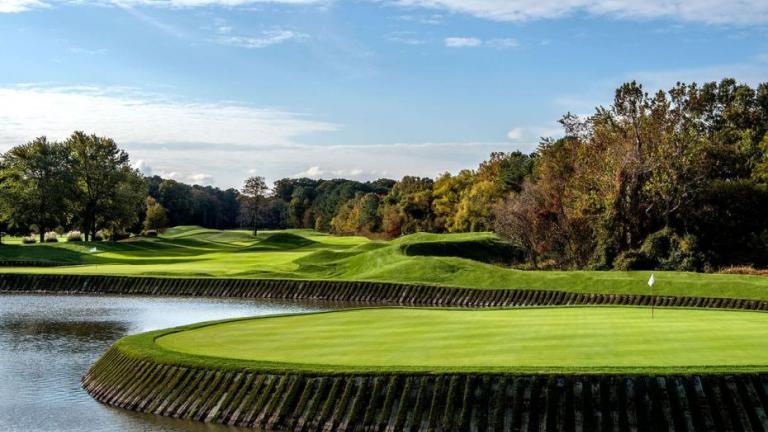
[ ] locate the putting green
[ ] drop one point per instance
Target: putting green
(592, 339)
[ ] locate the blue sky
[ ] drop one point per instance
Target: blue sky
(212, 91)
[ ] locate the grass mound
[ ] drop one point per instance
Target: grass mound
(457, 260)
(488, 249)
(562, 340)
(284, 241)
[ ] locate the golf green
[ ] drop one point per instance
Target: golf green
(592, 339)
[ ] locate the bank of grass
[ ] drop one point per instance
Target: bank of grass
(572, 340)
(305, 254)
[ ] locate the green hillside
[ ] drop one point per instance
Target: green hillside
(460, 260)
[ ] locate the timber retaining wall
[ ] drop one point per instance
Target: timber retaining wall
(365, 292)
(425, 402)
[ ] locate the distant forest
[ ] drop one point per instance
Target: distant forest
(672, 180)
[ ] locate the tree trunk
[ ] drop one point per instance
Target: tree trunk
(42, 235)
(86, 227)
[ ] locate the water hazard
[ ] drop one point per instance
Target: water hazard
(47, 342)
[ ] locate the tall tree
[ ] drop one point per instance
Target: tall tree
(157, 216)
(35, 185)
(253, 193)
(108, 191)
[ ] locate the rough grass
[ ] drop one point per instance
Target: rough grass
(305, 254)
(536, 340)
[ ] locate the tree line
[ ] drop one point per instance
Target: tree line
(675, 180)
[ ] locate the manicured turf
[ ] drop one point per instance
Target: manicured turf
(576, 339)
(303, 254)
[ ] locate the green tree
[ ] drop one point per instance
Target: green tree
(109, 193)
(35, 185)
(253, 194)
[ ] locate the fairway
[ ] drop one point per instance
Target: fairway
(590, 339)
(189, 252)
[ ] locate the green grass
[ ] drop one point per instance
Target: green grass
(305, 254)
(534, 340)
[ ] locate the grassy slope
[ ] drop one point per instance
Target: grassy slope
(582, 339)
(297, 254)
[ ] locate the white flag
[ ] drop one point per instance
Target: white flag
(651, 281)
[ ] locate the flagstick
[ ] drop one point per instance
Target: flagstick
(651, 283)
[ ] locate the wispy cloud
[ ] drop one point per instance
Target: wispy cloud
(742, 12)
(15, 6)
(264, 39)
(462, 42)
(86, 51)
(432, 19)
(473, 42)
(202, 179)
(130, 116)
(405, 37)
(515, 134)
(317, 172)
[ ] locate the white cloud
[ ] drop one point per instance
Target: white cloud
(432, 19)
(230, 165)
(201, 179)
(515, 134)
(462, 42)
(738, 12)
(472, 42)
(203, 3)
(317, 172)
(502, 43)
(143, 167)
(405, 37)
(265, 39)
(128, 116)
(173, 175)
(14, 6)
(743, 12)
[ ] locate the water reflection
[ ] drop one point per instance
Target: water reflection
(47, 342)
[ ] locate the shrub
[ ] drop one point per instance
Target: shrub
(671, 251)
(51, 237)
(100, 235)
(663, 250)
(744, 270)
(74, 236)
(633, 260)
(150, 233)
(29, 240)
(122, 235)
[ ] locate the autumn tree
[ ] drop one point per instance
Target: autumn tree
(157, 216)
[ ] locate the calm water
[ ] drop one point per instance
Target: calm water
(47, 342)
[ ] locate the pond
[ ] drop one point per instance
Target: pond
(47, 342)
